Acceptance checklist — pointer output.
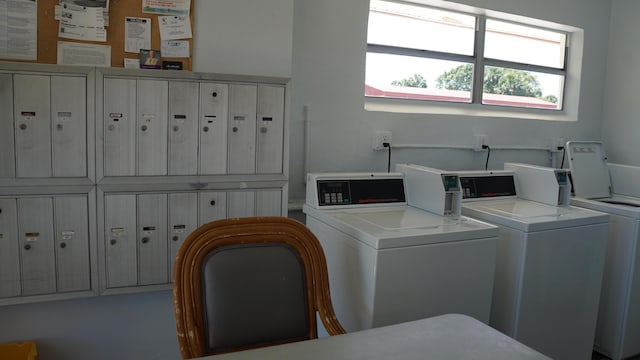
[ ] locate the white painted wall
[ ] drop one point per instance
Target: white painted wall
(243, 37)
(621, 118)
(328, 77)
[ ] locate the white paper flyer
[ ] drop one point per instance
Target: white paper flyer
(19, 29)
(137, 34)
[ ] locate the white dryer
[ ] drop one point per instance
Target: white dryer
(614, 189)
(550, 259)
(390, 262)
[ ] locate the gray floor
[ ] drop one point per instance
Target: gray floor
(597, 356)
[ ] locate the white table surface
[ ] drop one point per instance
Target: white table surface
(445, 337)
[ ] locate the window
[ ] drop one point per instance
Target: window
(425, 53)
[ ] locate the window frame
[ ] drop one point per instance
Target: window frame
(479, 62)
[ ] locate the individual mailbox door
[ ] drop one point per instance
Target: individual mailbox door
(9, 249)
(69, 126)
(212, 206)
(270, 137)
(242, 134)
(241, 203)
(152, 239)
(32, 114)
(269, 203)
(183, 127)
(120, 238)
(119, 127)
(35, 219)
(152, 127)
(72, 243)
(183, 219)
(214, 110)
(7, 160)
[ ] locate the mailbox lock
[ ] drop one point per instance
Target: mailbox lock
(263, 130)
(112, 127)
(23, 126)
(59, 126)
(176, 128)
(205, 129)
(213, 202)
(175, 238)
(145, 240)
(214, 94)
(143, 128)
(235, 129)
(63, 245)
(27, 247)
(113, 241)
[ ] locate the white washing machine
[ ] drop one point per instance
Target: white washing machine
(390, 262)
(550, 258)
(614, 189)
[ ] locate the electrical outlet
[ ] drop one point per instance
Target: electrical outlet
(557, 144)
(479, 140)
(379, 138)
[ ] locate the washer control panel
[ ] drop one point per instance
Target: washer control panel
(476, 187)
(360, 192)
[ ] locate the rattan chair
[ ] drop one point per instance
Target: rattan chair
(250, 282)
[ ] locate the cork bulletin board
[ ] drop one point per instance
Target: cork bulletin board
(118, 10)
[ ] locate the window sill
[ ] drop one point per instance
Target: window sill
(462, 109)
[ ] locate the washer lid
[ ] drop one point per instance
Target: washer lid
(618, 205)
(396, 219)
(589, 171)
(402, 226)
(529, 216)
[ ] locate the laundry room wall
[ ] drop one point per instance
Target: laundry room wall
(243, 37)
(327, 39)
(621, 120)
(329, 46)
(231, 36)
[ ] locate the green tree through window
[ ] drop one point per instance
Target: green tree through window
(417, 81)
(497, 80)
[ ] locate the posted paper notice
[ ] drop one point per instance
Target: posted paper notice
(175, 27)
(72, 53)
(175, 48)
(137, 34)
(166, 7)
(82, 23)
(19, 29)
